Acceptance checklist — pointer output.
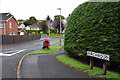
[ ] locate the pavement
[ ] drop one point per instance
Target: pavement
(47, 66)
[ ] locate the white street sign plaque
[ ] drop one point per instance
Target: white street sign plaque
(98, 55)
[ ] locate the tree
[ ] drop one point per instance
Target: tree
(26, 22)
(48, 18)
(44, 27)
(56, 24)
(32, 20)
(21, 21)
(58, 17)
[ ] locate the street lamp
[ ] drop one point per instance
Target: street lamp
(60, 24)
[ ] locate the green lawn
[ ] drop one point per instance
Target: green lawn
(53, 49)
(62, 41)
(86, 68)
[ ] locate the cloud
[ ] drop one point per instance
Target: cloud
(23, 9)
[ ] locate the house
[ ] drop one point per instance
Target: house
(8, 24)
(35, 27)
(21, 31)
(21, 26)
(28, 28)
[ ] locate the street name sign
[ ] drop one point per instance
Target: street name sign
(98, 55)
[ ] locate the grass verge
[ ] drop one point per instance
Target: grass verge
(62, 41)
(86, 68)
(53, 49)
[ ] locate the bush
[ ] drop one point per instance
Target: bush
(33, 31)
(94, 26)
(53, 30)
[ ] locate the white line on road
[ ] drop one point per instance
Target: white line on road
(18, 51)
(10, 51)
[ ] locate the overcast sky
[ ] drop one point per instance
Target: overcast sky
(23, 9)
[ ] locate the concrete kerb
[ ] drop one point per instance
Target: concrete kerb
(18, 68)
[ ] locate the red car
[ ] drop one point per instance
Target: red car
(46, 43)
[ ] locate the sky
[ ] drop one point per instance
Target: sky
(40, 9)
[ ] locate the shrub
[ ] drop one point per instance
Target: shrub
(33, 31)
(53, 30)
(94, 26)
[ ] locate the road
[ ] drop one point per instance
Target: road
(12, 53)
(47, 66)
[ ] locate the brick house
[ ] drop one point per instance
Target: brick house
(8, 24)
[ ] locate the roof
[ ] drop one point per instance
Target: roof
(20, 29)
(20, 24)
(35, 25)
(6, 16)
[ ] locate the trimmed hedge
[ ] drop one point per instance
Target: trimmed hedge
(33, 31)
(94, 26)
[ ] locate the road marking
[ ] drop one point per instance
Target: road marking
(10, 51)
(18, 51)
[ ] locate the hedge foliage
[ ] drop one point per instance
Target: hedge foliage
(33, 31)
(94, 26)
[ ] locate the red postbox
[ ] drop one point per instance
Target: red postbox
(46, 43)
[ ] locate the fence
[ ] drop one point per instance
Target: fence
(7, 39)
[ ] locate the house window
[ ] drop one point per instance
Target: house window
(13, 33)
(10, 24)
(1, 25)
(10, 33)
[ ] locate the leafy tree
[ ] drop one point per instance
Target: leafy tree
(44, 27)
(58, 17)
(20, 20)
(56, 24)
(48, 18)
(27, 22)
(32, 20)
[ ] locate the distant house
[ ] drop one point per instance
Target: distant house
(8, 24)
(28, 28)
(35, 27)
(21, 31)
(21, 26)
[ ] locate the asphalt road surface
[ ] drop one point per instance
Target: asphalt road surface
(47, 66)
(12, 53)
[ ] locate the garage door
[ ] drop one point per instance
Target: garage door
(22, 33)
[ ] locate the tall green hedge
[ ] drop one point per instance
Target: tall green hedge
(94, 26)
